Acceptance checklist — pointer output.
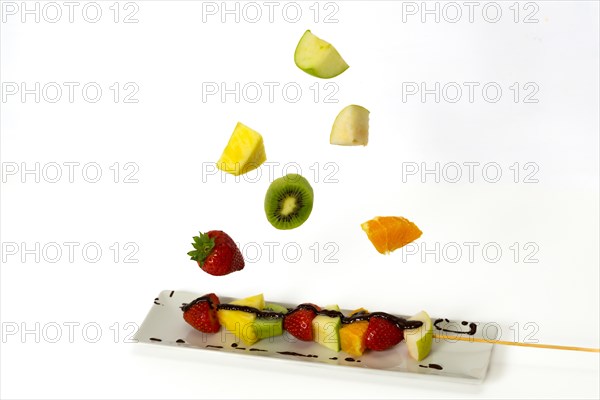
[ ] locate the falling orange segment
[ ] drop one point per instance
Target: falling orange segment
(377, 235)
(390, 233)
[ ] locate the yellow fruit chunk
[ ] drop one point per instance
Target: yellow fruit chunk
(241, 323)
(326, 330)
(390, 233)
(244, 152)
(352, 337)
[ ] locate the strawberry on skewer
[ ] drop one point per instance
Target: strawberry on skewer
(202, 313)
(299, 323)
(382, 334)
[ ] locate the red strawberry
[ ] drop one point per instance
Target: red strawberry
(299, 323)
(202, 313)
(382, 334)
(216, 253)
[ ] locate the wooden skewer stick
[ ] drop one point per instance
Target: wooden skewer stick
(503, 342)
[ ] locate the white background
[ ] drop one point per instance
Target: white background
(171, 135)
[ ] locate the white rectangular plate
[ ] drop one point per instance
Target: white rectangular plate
(164, 325)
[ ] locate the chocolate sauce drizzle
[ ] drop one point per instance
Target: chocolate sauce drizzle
(293, 353)
(471, 331)
(259, 313)
(432, 366)
(187, 306)
(401, 323)
(362, 316)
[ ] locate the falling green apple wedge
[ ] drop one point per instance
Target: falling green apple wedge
(318, 57)
(418, 340)
(351, 127)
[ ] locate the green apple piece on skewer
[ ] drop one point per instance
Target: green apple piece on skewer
(326, 330)
(418, 340)
(318, 57)
(351, 127)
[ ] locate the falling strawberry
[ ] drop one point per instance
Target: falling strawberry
(382, 334)
(202, 313)
(216, 253)
(299, 323)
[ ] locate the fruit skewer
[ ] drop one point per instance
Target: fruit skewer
(251, 319)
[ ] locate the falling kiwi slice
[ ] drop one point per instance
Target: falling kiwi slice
(289, 201)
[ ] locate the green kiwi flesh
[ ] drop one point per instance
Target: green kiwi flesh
(289, 201)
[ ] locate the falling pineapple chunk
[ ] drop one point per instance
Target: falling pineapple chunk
(244, 152)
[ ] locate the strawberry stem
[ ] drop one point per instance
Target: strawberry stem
(203, 246)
